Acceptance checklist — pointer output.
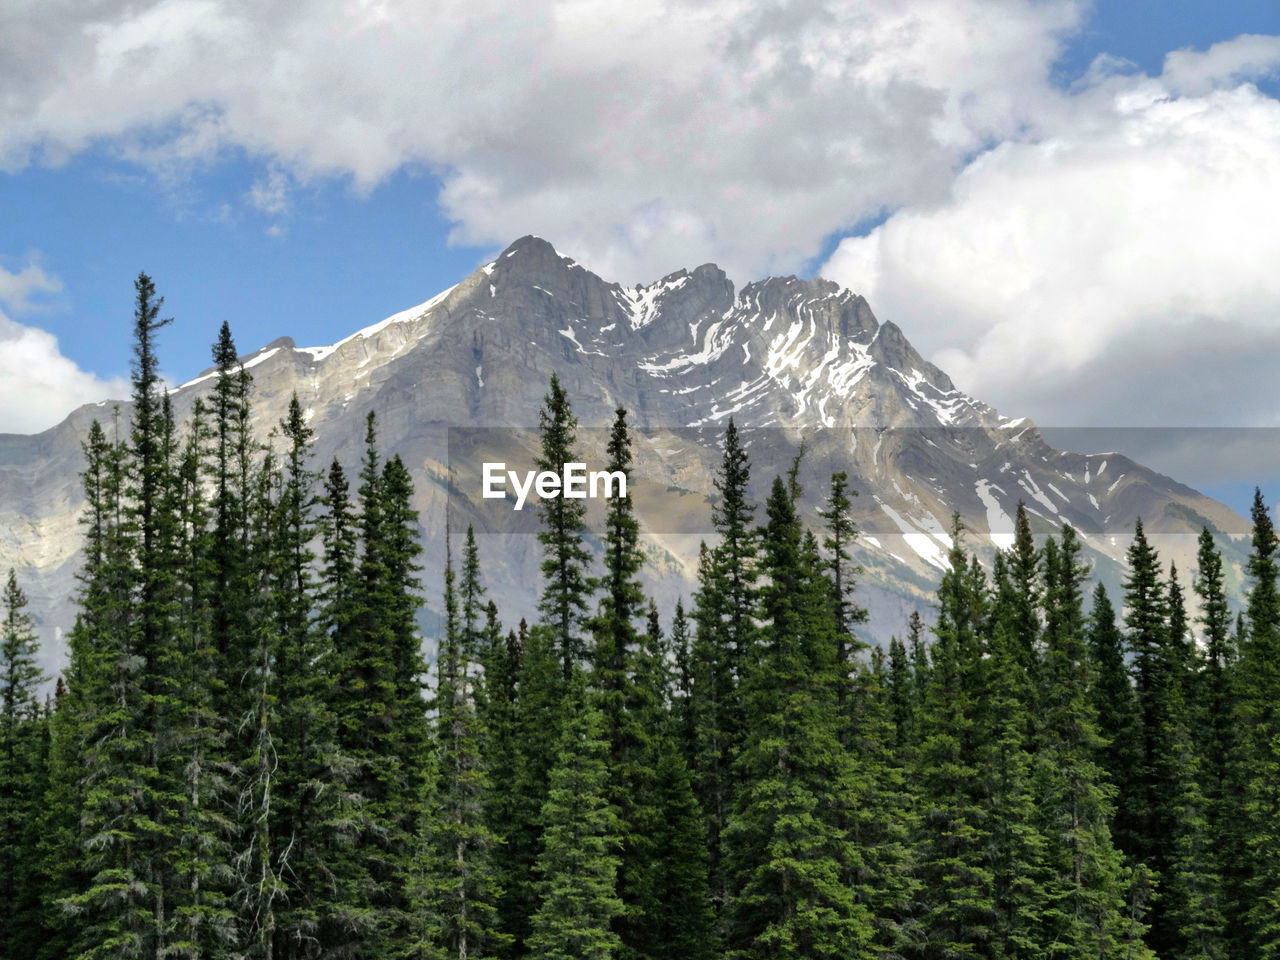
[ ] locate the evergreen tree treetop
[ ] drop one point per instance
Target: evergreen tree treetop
(566, 587)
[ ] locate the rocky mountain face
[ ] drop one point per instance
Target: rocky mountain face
(459, 380)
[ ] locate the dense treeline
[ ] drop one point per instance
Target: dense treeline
(247, 756)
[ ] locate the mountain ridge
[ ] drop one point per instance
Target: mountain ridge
(787, 358)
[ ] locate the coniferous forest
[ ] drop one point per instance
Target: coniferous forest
(247, 756)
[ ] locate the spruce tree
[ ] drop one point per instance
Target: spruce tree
(1111, 697)
(463, 838)
(540, 696)
(682, 693)
(566, 588)
(663, 876)
(1170, 839)
(23, 762)
(502, 658)
(919, 653)
(129, 813)
(1005, 703)
(1258, 721)
(1083, 905)
(61, 870)
(80, 720)
(1024, 572)
(899, 685)
(410, 745)
(841, 532)
(725, 631)
(958, 905)
(1215, 734)
(880, 812)
(194, 762)
(303, 826)
(789, 852)
(577, 865)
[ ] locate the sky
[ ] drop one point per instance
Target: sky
(1070, 207)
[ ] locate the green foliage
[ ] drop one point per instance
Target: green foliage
(565, 590)
(464, 843)
(577, 865)
(1083, 906)
(724, 634)
(959, 912)
(1112, 699)
(239, 761)
(24, 762)
(789, 850)
(1258, 722)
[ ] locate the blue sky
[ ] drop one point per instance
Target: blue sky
(1037, 192)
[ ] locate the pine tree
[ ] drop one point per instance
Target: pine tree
(881, 812)
(1024, 571)
(1112, 699)
(789, 853)
(1258, 721)
(1017, 852)
(502, 659)
(565, 591)
(299, 903)
(130, 807)
(540, 687)
(60, 868)
(725, 633)
(900, 687)
(1169, 838)
(577, 865)
(462, 835)
(841, 532)
(1215, 734)
(663, 876)
(193, 760)
(80, 720)
(1083, 904)
(23, 762)
(958, 909)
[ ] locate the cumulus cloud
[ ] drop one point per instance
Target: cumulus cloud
(642, 136)
(1118, 268)
(38, 385)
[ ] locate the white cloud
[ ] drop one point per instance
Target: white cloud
(642, 136)
(1247, 57)
(1120, 268)
(38, 385)
(1119, 226)
(17, 289)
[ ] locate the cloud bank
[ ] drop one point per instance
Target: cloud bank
(643, 137)
(1101, 253)
(1118, 269)
(38, 385)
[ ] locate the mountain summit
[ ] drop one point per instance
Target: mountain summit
(792, 361)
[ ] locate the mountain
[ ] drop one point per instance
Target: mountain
(458, 381)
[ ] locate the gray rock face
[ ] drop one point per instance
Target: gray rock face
(789, 360)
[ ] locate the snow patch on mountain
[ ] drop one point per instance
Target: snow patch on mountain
(404, 316)
(998, 522)
(642, 303)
